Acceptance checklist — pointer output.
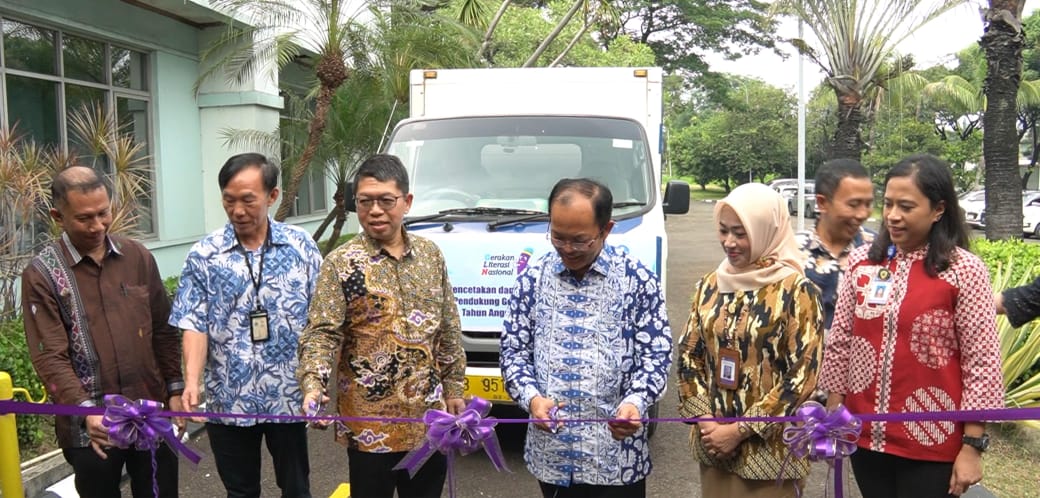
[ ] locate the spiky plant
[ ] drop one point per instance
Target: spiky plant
(110, 149)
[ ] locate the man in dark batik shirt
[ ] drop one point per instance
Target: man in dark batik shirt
(95, 312)
(844, 196)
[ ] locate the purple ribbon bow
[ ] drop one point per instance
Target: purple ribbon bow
(137, 424)
(824, 436)
(462, 434)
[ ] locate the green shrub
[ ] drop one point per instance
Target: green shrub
(171, 284)
(1020, 255)
(1013, 263)
(14, 359)
(343, 239)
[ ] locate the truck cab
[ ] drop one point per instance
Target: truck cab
(484, 147)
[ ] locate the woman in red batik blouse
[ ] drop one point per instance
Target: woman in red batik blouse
(914, 331)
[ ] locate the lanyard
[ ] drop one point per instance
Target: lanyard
(257, 279)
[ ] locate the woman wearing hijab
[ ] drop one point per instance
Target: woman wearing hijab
(751, 348)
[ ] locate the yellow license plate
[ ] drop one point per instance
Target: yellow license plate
(491, 388)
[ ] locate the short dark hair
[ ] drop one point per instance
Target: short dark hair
(79, 178)
(598, 193)
(933, 178)
(238, 162)
(383, 168)
(830, 174)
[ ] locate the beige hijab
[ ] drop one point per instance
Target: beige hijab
(774, 251)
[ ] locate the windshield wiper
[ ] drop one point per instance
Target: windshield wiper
(474, 211)
(501, 223)
(491, 227)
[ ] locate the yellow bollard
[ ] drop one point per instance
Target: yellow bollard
(10, 465)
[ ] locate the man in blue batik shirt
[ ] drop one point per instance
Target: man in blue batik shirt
(242, 302)
(586, 337)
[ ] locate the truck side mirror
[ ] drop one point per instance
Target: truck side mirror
(348, 198)
(676, 197)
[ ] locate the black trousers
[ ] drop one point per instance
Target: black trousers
(99, 478)
(880, 475)
(634, 490)
(236, 451)
(372, 476)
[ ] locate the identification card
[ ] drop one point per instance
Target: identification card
(728, 368)
(880, 287)
(258, 325)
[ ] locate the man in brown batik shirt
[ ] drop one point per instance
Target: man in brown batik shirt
(95, 313)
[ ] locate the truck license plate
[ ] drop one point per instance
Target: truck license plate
(487, 387)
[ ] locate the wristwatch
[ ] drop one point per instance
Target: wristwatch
(744, 429)
(980, 443)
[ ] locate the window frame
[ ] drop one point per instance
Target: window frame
(111, 91)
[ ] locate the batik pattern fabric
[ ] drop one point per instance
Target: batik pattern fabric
(824, 269)
(395, 328)
(776, 331)
(930, 347)
(216, 296)
(591, 344)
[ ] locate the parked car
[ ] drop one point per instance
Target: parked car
(790, 192)
(1030, 211)
(974, 205)
(783, 182)
(1031, 217)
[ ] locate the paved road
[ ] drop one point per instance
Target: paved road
(693, 251)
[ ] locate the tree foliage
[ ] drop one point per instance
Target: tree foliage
(523, 28)
(746, 134)
(855, 41)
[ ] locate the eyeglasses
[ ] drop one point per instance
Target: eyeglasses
(386, 203)
(576, 245)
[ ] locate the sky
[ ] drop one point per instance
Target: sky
(932, 44)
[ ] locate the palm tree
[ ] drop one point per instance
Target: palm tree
(384, 50)
(1002, 42)
(279, 31)
(856, 39)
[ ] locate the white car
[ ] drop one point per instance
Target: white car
(1030, 214)
(974, 205)
(790, 192)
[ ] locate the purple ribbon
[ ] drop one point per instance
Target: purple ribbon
(466, 433)
(824, 436)
(140, 424)
(137, 424)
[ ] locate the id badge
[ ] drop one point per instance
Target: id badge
(258, 325)
(728, 369)
(880, 287)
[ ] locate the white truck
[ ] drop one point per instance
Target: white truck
(483, 148)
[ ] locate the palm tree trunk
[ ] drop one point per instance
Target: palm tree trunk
(324, 224)
(1002, 42)
(574, 41)
(486, 44)
(555, 32)
(847, 140)
(337, 206)
(337, 229)
(317, 128)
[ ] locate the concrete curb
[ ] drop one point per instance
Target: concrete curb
(42, 472)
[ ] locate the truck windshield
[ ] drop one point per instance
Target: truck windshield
(512, 162)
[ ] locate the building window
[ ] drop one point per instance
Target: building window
(47, 74)
(311, 197)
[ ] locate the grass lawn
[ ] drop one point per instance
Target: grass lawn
(712, 192)
(1010, 465)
